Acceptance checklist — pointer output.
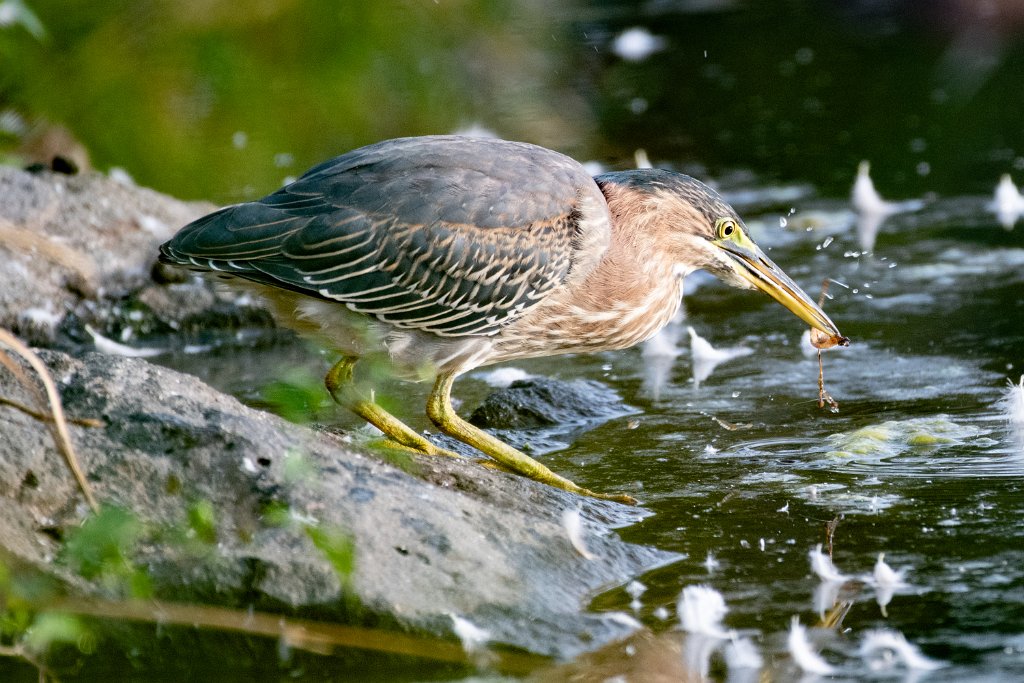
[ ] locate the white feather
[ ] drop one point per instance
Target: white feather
(1007, 203)
(641, 160)
(894, 648)
(1013, 403)
(472, 636)
(706, 358)
(701, 610)
(885, 580)
(113, 348)
(742, 653)
(885, 576)
(637, 44)
(503, 377)
(803, 653)
(635, 590)
(821, 564)
(866, 200)
(573, 524)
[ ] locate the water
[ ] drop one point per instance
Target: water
(919, 463)
(778, 105)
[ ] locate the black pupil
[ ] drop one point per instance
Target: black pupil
(728, 230)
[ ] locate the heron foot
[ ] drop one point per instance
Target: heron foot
(340, 385)
(440, 411)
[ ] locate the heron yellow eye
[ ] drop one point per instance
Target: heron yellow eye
(727, 228)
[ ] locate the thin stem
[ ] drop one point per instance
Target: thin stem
(58, 425)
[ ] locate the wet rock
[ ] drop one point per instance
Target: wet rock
(541, 414)
(544, 402)
(81, 250)
(449, 537)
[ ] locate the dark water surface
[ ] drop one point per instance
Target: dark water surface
(920, 462)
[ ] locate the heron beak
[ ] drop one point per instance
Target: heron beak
(751, 264)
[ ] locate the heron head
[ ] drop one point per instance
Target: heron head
(698, 229)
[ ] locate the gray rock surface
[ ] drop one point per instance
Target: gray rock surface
(448, 537)
(70, 243)
(541, 402)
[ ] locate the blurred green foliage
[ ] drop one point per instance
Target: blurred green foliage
(202, 521)
(51, 628)
(337, 546)
(102, 549)
(215, 100)
(297, 396)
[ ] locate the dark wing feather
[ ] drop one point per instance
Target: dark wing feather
(451, 235)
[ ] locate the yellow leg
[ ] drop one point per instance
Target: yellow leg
(342, 389)
(440, 411)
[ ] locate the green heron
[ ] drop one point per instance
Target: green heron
(449, 253)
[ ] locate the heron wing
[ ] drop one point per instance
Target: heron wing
(451, 235)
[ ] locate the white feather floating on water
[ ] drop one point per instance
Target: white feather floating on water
(113, 348)
(742, 653)
(573, 524)
(702, 348)
(826, 596)
(884, 575)
(865, 197)
(501, 378)
(624, 619)
(1013, 402)
(706, 358)
(821, 564)
(659, 355)
(473, 638)
(1007, 202)
(894, 648)
(663, 344)
(701, 610)
(885, 580)
(635, 590)
(641, 160)
(803, 653)
(872, 209)
(637, 44)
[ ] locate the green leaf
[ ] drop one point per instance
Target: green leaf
(296, 396)
(104, 540)
(52, 627)
(338, 547)
(202, 521)
(101, 550)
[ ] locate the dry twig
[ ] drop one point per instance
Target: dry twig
(56, 422)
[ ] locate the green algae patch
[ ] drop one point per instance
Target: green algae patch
(897, 437)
